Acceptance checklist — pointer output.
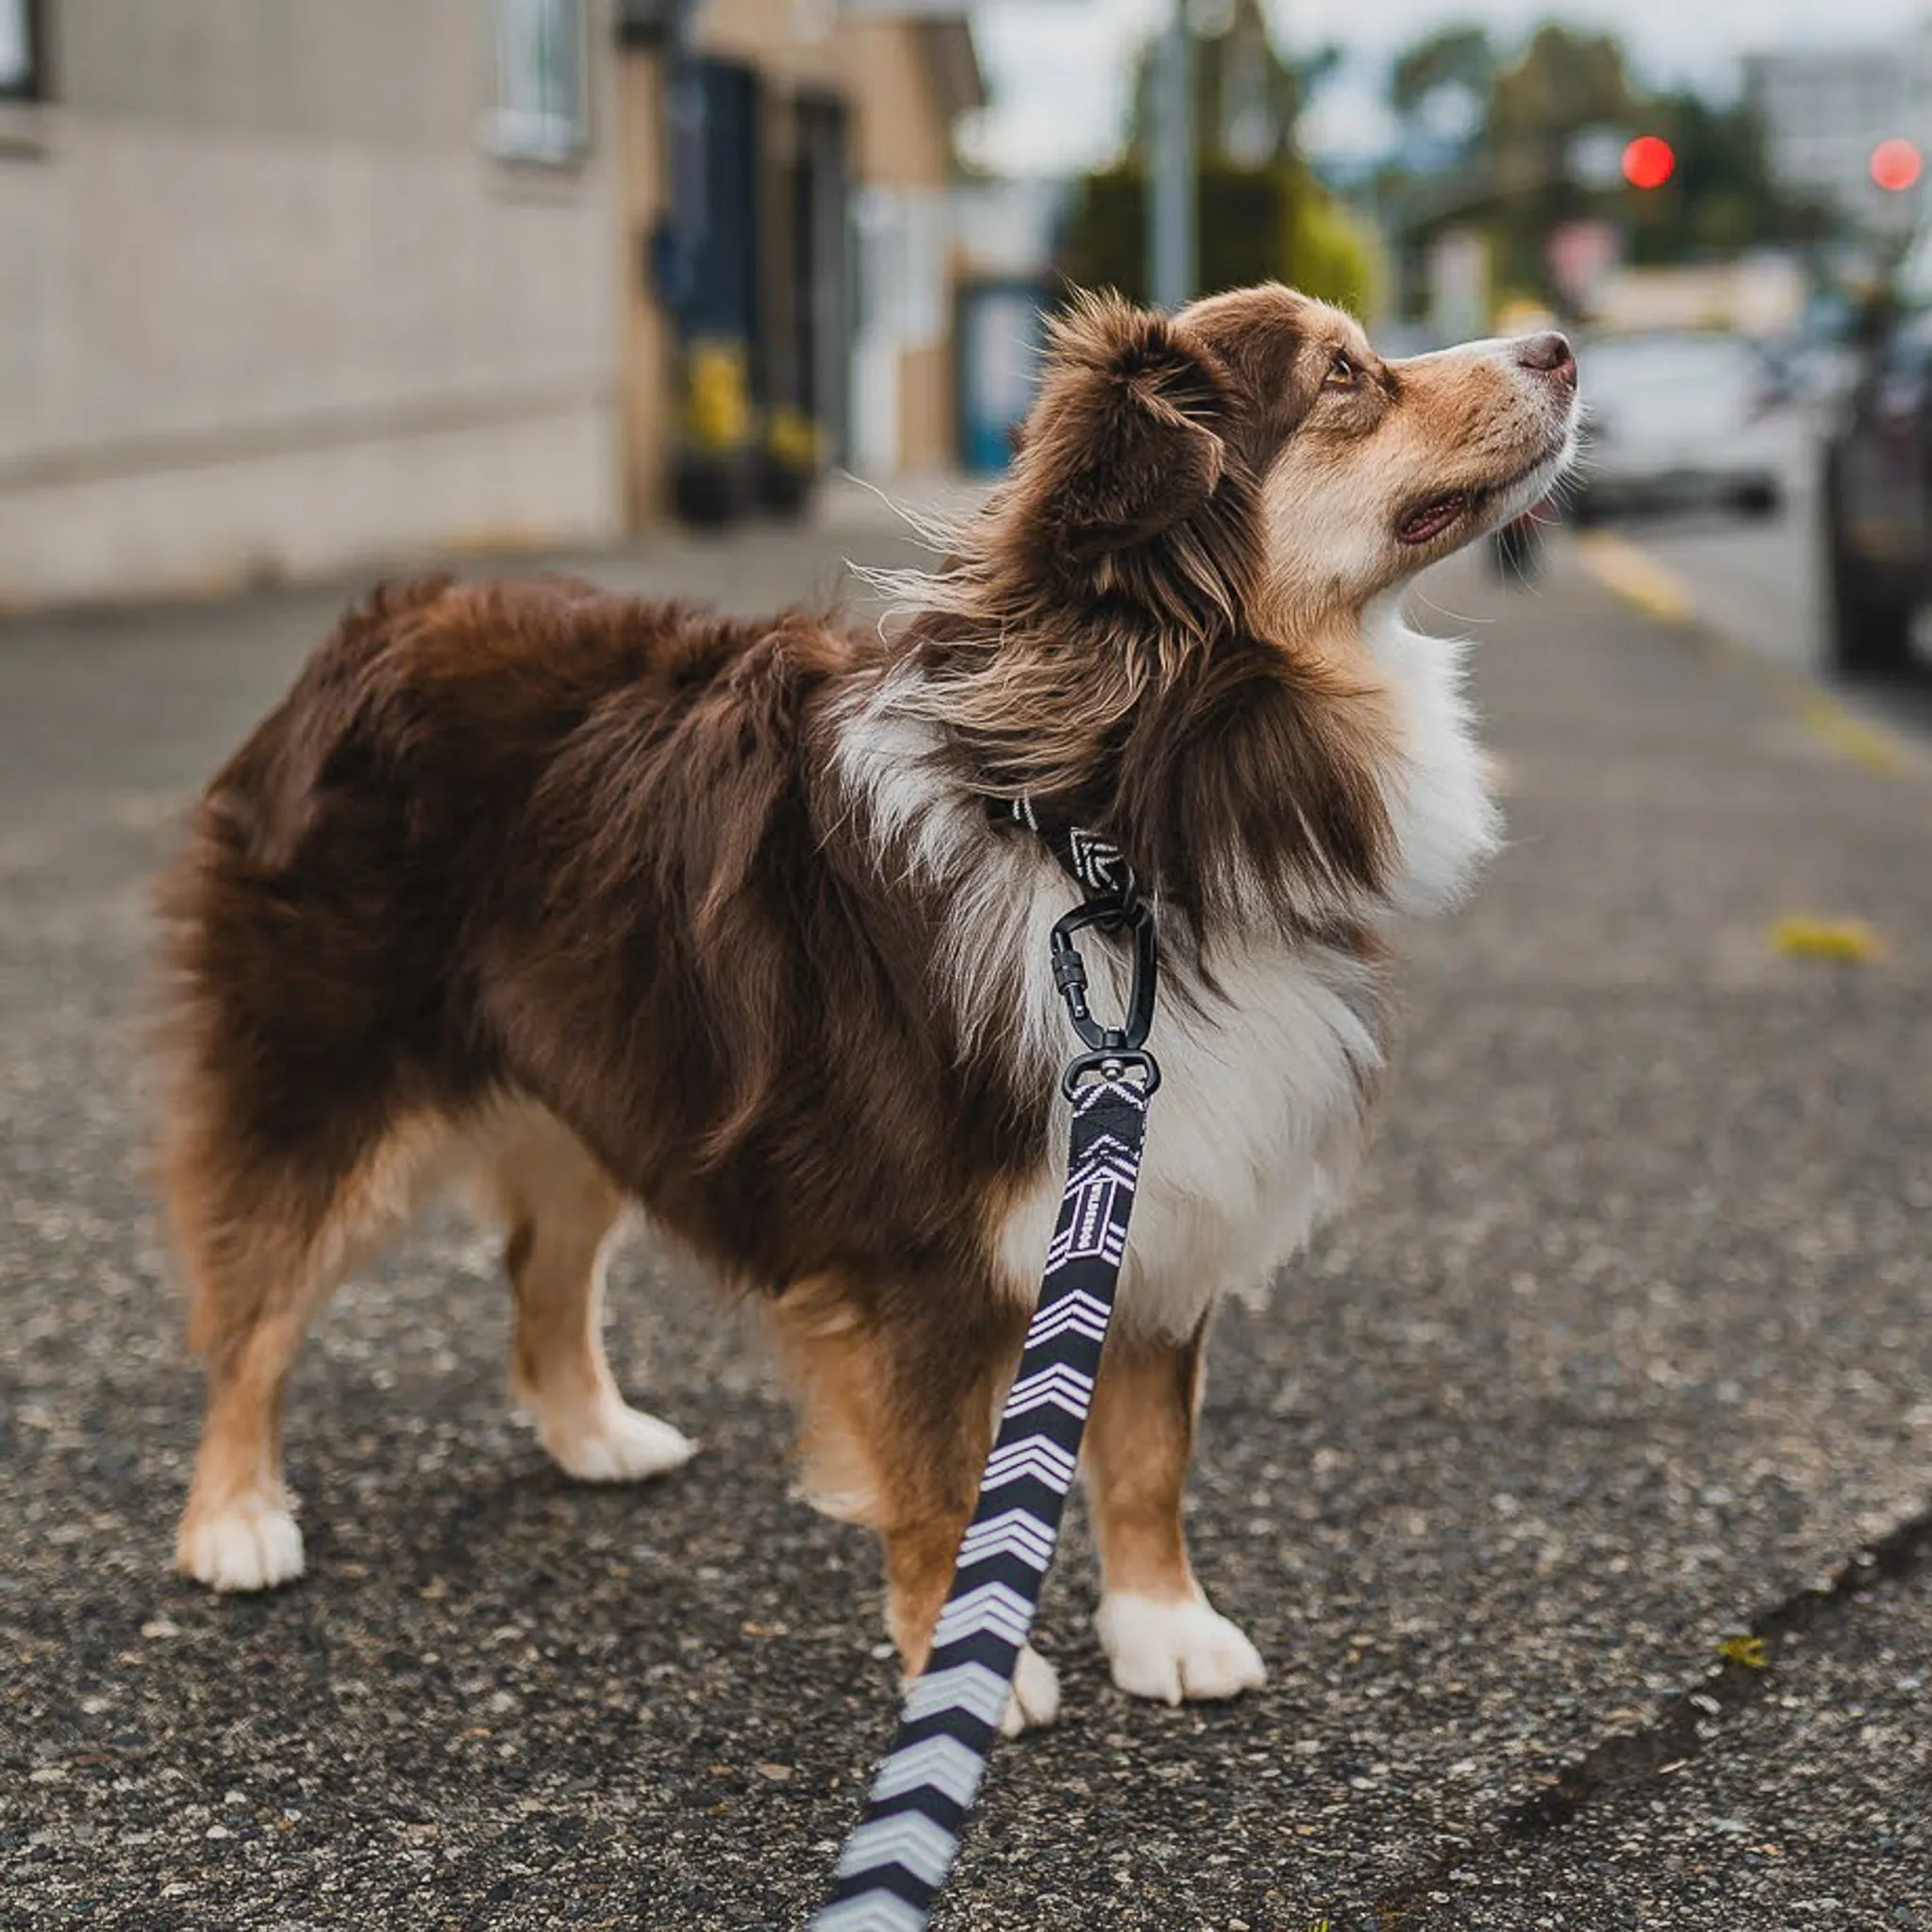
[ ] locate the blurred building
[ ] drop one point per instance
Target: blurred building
(791, 189)
(1006, 236)
(288, 286)
(1826, 108)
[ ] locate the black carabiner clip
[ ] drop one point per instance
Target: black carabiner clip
(1069, 973)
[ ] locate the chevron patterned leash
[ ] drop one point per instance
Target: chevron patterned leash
(898, 1856)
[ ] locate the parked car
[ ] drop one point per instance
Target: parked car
(1679, 420)
(1875, 495)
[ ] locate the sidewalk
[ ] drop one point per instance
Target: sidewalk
(1625, 1348)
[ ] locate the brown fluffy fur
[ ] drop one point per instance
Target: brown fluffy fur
(571, 890)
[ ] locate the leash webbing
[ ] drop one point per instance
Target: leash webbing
(898, 1856)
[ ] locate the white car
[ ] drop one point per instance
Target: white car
(1676, 421)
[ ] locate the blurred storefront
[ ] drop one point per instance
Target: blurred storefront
(287, 286)
(1006, 236)
(291, 289)
(787, 191)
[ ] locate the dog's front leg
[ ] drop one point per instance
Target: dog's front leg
(899, 1412)
(921, 1546)
(1162, 1637)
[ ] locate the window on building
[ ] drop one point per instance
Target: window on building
(540, 80)
(22, 61)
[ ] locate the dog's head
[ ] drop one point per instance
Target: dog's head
(1254, 451)
(1199, 512)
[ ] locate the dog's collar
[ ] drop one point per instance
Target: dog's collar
(1096, 865)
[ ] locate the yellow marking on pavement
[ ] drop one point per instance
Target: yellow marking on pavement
(1800, 936)
(1748, 1651)
(1844, 732)
(1639, 579)
(1644, 583)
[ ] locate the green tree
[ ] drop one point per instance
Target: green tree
(1260, 213)
(1564, 79)
(1255, 225)
(1247, 94)
(1563, 83)
(1722, 198)
(1514, 175)
(1458, 60)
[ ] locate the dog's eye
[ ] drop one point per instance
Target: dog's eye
(1341, 373)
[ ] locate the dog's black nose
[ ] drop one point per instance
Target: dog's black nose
(1548, 354)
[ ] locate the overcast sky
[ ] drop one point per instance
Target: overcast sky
(1058, 68)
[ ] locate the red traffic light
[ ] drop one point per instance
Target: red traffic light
(1648, 161)
(1895, 165)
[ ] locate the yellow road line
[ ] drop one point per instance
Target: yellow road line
(1645, 584)
(1637, 577)
(1846, 733)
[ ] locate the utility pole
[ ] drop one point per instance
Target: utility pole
(1171, 189)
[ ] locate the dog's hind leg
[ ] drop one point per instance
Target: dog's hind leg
(562, 1216)
(265, 1238)
(238, 1531)
(1161, 1635)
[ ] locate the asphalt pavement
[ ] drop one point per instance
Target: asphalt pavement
(1756, 578)
(1575, 1486)
(1760, 580)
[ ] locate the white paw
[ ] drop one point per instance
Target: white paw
(1172, 1651)
(618, 1445)
(252, 1544)
(1036, 1698)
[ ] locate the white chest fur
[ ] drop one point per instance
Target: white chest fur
(1446, 824)
(1258, 1125)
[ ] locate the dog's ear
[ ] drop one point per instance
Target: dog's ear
(1123, 443)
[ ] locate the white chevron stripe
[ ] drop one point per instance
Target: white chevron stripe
(1106, 1156)
(1093, 1204)
(1103, 1247)
(909, 1838)
(1033, 1456)
(1078, 1310)
(876, 1911)
(1058, 1387)
(971, 1687)
(991, 1607)
(1099, 1183)
(940, 1764)
(1015, 1532)
(1091, 1092)
(1096, 1232)
(1097, 861)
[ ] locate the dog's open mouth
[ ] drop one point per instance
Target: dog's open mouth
(1435, 514)
(1431, 518)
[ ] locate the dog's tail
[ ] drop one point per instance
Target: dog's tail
(263, 804)
(274, 970)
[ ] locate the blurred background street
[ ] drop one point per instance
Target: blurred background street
(1577, 1487)
(1620, 1351)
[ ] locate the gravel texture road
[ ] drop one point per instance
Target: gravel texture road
(1623, 1355)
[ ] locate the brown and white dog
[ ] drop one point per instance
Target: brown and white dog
(612, 904)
